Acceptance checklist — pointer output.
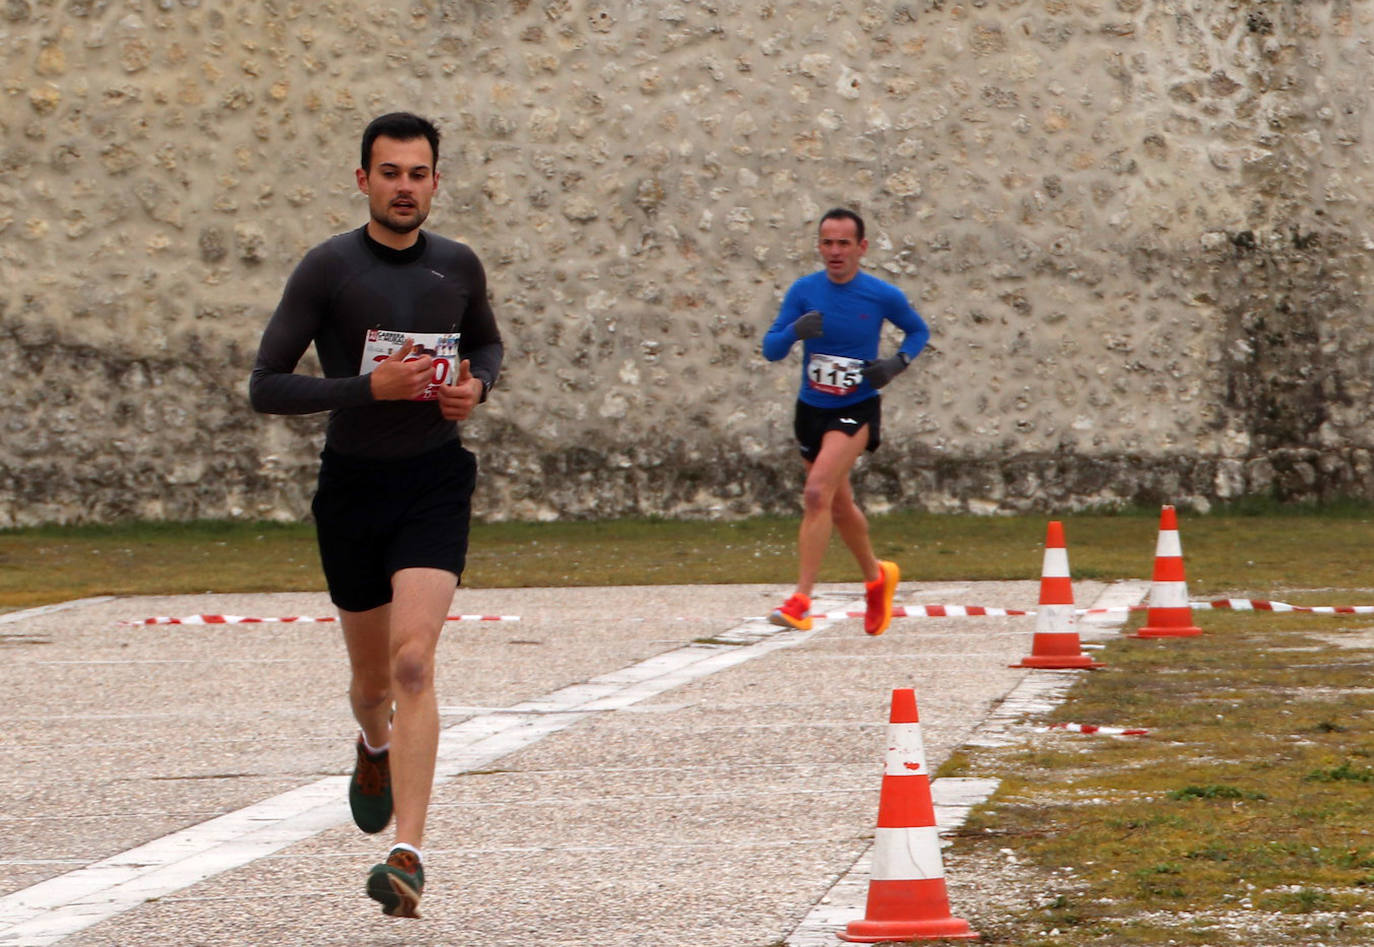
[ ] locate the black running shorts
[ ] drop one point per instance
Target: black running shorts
(376, 517)
(812, 423)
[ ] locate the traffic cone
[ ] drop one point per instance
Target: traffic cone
(1056, 643)
(1169, 615)
(907, 899)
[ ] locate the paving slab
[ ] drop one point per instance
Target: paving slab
(619, 766)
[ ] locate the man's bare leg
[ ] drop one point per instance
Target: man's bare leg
(419, 607)
(827, 479)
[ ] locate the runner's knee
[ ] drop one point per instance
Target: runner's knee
(413, 669)
(817, 498)
(371, 688)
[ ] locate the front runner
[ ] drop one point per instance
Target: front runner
(409, 346)
(838, 315)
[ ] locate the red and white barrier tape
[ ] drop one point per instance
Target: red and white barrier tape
(298, 619)
(900, 611)
(939, 611)
(1234, 604)
(1094, 728)
(1259, 605)
(953, 611)
(1249, 605)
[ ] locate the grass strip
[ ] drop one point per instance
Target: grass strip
(1223, 551)
(1244, 818)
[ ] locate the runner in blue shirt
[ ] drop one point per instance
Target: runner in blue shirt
(838, 314)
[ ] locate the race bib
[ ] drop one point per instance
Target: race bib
(834, 374)
(441, 346)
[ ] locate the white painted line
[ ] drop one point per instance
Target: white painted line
(46, 912)
(28, 613)
(955, 796)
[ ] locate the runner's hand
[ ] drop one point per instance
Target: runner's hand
(457, 400)
(810, 325)
(882, 371)
(396, 379)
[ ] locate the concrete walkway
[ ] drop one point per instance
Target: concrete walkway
(619, 766)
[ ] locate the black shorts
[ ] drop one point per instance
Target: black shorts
(376, 517)
(812, 423)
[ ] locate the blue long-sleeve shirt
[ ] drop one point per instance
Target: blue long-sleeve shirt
(853, 314)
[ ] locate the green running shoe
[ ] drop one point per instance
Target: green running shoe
(397, 883)
(369, 791)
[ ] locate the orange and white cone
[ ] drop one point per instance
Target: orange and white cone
(907, 899)
(1168, 614)
(1056, 643)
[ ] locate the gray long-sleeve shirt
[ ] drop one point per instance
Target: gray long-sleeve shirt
(341, 289)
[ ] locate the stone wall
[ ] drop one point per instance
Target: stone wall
(1138, 229)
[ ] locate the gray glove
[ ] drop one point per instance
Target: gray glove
(882, 371)
(808, 326)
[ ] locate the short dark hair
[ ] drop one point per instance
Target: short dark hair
(402, 126)
(844, 213)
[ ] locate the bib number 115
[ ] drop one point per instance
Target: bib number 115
(837, 376)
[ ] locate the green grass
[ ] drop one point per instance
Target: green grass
(1236, 551)
(1249, 800)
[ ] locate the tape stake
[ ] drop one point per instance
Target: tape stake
(1094, 728)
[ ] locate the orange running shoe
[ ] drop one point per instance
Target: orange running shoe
(793, 613)
(880, 592)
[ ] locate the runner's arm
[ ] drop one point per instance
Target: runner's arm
(881, 371)
(782, 334)
(917, 332)
(481, 341)
(274, 386)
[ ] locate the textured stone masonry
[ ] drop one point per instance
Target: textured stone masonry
(1139, 230)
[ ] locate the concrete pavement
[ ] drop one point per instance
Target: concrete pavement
(620, 766)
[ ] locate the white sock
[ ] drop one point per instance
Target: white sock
(374, 750)
(409, 848)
